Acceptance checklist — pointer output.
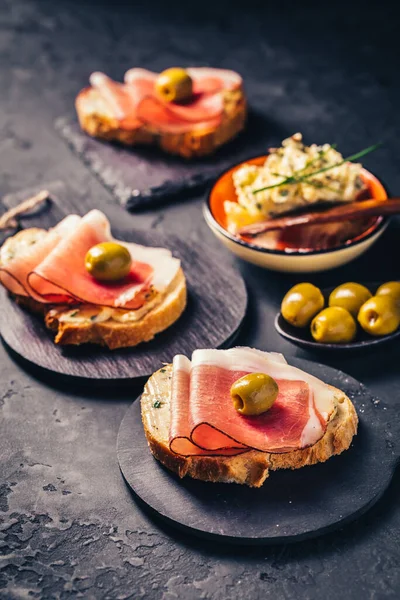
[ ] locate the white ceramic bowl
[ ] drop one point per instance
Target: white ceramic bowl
(292, 261)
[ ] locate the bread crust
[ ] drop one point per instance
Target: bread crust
(251, 468)
(96, 119)
(120, 335)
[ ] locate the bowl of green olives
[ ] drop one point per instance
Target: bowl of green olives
(350, 317)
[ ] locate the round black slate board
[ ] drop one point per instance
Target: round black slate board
(363, 342)
(291, 505)
(217, 300)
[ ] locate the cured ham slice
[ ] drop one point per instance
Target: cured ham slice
(204, 107)
(209, 79)
(180, 414)
(160, 116)
(63, 271)
(204, 421)
(138, 75)
(135, 103)
(205, 79)
(14, 271)
(206, 104)
(118, 98)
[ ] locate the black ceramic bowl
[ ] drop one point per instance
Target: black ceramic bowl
(302, 336)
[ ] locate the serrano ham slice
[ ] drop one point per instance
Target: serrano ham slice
(204, 422)
(49, 266)
(63, 271)
(135, 103)
(180, 415)
(154, 112)
(119, 99)
(209, 79)
(17, 266)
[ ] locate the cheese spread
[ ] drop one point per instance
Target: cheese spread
(87, 314)
(338, 184)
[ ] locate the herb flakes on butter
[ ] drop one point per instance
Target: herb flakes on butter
(87, 314)
(293, 159)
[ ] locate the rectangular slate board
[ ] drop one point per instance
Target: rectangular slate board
(143, 177)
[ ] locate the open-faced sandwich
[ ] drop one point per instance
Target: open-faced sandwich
(234, 415)
(91, 287)
(190, 112)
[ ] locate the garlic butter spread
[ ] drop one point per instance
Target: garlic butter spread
(87, 314)
(338, 184)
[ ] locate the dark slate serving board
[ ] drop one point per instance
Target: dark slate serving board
(142, 177)
(291, 505)
(215, 311)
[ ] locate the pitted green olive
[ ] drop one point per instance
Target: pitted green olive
(301, 304)
(174, 85)
(392, 289)
(334, 325)
(254, 393)
(379, 315)
(350, 296)
(108, 261)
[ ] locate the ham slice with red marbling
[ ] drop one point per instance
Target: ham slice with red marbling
(204, 421)
(15, 270)
(181, 416)
(135, 102)
(53, 269)
(64, 272)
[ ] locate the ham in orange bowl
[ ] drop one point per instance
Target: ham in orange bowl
(304, 249)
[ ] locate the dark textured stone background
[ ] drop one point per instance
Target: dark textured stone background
(69, 527)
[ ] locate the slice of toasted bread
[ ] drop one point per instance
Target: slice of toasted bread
(250, 468)
(98, 121)
(114, 334)
(114, 331)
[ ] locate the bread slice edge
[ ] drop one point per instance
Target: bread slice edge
(114, 334)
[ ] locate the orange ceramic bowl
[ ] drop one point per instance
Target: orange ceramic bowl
(295, 250)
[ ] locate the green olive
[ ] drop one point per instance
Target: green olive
(254, 393)
(108, 261)
(174, 85)
(391, 288)
(350, 296)
(379, 315)
(333, 325)
(301, 304)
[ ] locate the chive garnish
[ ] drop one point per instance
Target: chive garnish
(320, 156)
(157, 404)
(295, 178)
